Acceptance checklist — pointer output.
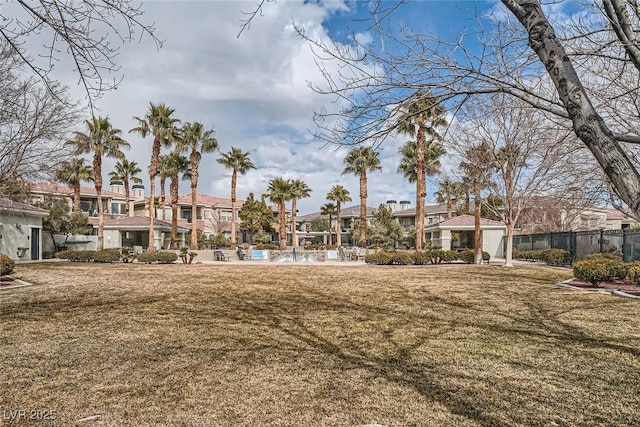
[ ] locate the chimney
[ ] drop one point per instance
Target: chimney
(391, 204)
(137, 191)
(405, 204)
(117, 187)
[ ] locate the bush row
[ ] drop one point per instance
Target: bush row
(105, 255)
(6, 265)
(115, 254)
(550, 256)
(435, 256)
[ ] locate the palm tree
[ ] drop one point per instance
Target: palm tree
(196, 140)
(102, 139)
(159, 123)
(126, 171)
(360, 160)
(330, 210)
(73, 173)
(299, 190)
(238, 161)
(279, 191)
(176, 164)
(408, 167)
(447, 192)
(478, 166)
(163, 173)
(421, 115)
(339, 194)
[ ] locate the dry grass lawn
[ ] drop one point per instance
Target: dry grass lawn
(251, 345)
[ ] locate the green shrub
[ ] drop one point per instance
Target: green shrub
(467, 256)
(600, 255)
(127, 254)
(107, 256)
(449, 256)
(633, 272)
(400, 258)
(421, 258)
(556, 256)
(47, 254)
(379, 258)
(63, 254)
(6, 265)
(266, 246)
(598, 270)
(147, 257)
(166, 257)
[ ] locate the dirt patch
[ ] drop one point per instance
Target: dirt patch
(623, 285)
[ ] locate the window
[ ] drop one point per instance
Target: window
(118, 208)
(225, 216)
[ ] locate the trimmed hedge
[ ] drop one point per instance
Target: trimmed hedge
(598, 270)
(434, 256)
(6, 265)
(159, 257)
(633, 272)
(550, 256)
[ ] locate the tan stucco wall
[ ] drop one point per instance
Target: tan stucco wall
(14, 237)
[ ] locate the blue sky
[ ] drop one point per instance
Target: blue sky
(253, 90)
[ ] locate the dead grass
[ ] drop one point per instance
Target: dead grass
(222, 345)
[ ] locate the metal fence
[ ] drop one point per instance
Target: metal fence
(582, 243)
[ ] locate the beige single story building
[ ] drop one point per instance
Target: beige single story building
(133, 231)
(458, 233)
(21, 230)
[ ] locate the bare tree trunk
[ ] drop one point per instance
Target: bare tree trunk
(508, 257)
(587, 123)
(363, 209)
(477, 235)
(234, 176)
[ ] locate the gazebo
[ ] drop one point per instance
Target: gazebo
(458, 233)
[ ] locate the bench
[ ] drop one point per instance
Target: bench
(241, 255)
(220, 256)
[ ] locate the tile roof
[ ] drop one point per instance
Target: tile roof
(139, 221)
(616, 214)
(207, 200)
(466, 221)
(67, 190)
(10, 205)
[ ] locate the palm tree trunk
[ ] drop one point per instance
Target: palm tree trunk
(76, 196)
(339, 226)
(294, 208)
(363, 209)
(234, 176)
(174, 212)
(194, 199)
(97, 171)
(163, 198)
(153, 169)
(330, 228)
(420, 187)
(283, 227)
(126, 196)
(449, 208)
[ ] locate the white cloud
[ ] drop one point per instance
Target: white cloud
(252, 90)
